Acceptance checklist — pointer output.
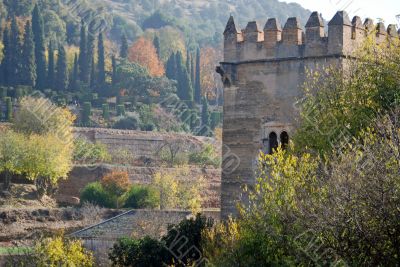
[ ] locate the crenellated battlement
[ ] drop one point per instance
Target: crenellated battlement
(274, 42)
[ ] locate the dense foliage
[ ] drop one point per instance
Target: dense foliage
(181, 246)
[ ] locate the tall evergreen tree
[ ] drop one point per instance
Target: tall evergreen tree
(50, 71)
(83, 59)
(73, 85)
(92, 74)
(114, 70)
(185, 89)
(5, 65)
(124, 47)
(156, 43)
(40, 58)
(101, 61)
(192, 72)
(90, 55)
(170, 71)
(28, 66)
(205, 114)
(188, 60)
(101, 78)
(15, 56)
(62, 69)
(197, 87)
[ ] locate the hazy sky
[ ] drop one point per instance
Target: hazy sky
(384, 9)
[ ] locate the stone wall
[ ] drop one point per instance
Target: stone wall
(80, 176)
(139, 143)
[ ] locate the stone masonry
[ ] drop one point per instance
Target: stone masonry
(263, 71)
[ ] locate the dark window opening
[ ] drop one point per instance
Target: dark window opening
(284, 140)
(273, 142)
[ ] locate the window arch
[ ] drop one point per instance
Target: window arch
(273, 142)
(284, 139)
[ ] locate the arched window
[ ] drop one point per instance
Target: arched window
(273, 142)
(227, 83)
(284, 139)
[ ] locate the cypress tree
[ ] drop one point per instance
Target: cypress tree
(50, 71)
(192, 73)
(156, 43)
(73, 85)
(170, 71)
(83, 60)
(6, 58)
(90, 56)
(40, 58)
(197, 87)
(15, 55)
(92, 74)
(62, 70)
(205, 114)
(188, 60)
(124, 47)
(114, 70)
(185, 90)
(101, 79)
(28, 67)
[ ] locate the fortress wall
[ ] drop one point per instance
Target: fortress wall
(263, 72)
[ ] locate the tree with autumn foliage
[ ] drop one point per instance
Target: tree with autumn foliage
(210, 81)
(144, 53)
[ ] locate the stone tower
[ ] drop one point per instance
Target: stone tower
(263, 71)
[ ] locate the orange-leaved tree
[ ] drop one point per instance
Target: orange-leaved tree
(144, 53)
(116, 183)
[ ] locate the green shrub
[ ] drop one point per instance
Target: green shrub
(86, 113)
(89, 153)
(120, 110)
(9, 109)
(141, 197)
(143, 252)
(3, 92)
(216, 118)
(106, 111)
(128, 123)
(95, 194)
(205, 157)
(183, 238)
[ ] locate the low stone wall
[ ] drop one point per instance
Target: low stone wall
(80, 176)
(139, 143)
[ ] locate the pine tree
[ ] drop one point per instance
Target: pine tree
(101, 79)
(205, 114)
(50, 71)
(28, 66)
(197, 87)
(83, 60)
(156, 43)
(5, 65)
(124, 47)
(114, 70)
(73, 85)
(40, 58)
(62, 69)
(15, 56)
(170, 71)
